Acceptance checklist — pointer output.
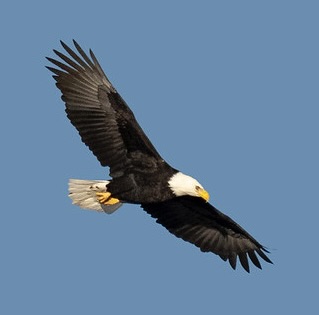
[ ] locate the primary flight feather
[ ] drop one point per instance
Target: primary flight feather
(139, 174)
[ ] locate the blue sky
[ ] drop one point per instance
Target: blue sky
(227, 92)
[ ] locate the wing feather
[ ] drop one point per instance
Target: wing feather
(203, 225)
(103, 119)
(254, 259)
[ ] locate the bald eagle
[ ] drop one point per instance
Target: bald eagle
(139, 174)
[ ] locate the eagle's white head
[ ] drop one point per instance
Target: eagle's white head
(182, 185)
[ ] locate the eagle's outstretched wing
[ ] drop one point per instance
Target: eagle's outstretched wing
(103, 119)
(198, 222)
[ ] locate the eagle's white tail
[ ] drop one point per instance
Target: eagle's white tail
(83, 194)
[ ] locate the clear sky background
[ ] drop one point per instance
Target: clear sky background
(228, 93)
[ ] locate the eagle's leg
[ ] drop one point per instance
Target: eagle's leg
(106, 199)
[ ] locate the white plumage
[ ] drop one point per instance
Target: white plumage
(83, 194)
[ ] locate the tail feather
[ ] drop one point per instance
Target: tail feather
(83, 194)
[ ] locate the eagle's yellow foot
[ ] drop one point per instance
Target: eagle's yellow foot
(106, 199)
(103, 196)
(111, 201)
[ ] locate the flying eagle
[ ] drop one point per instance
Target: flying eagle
(139, 174)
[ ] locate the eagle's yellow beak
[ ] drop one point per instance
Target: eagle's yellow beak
(203, 194)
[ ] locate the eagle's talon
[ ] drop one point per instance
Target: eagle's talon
(103, 196)
(106, 199)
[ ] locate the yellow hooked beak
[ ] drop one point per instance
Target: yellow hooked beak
(203, 194)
